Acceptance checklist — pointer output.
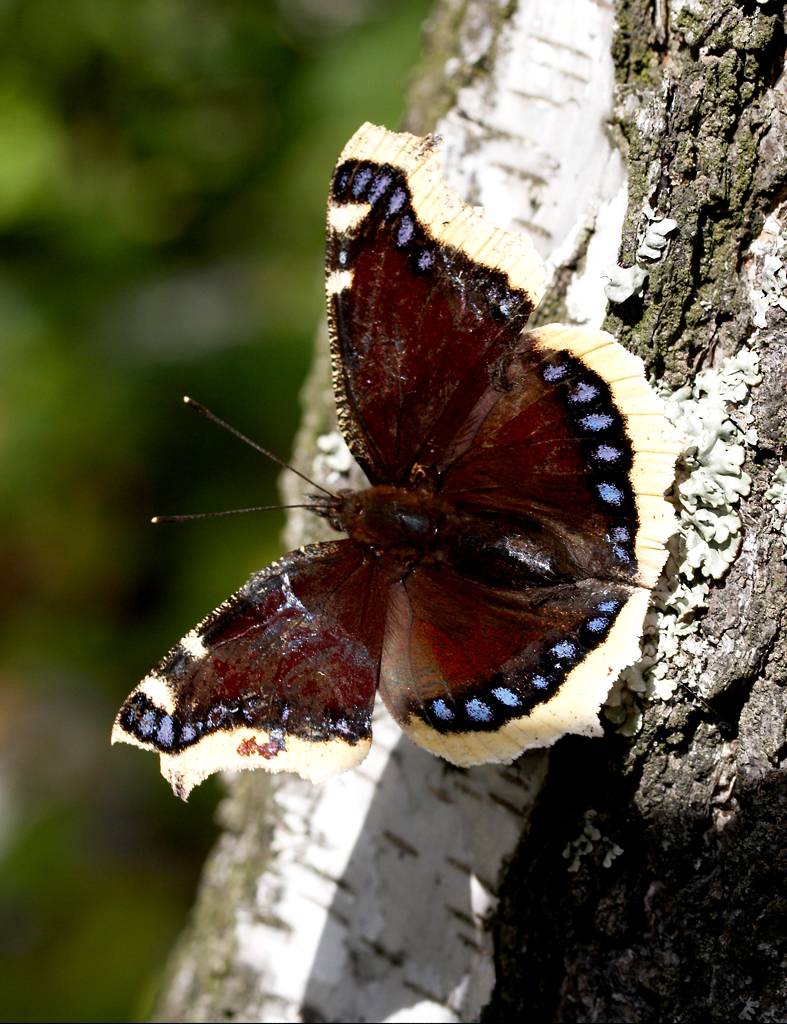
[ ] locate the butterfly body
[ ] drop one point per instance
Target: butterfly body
(406, 528)
(495, 572)
(403, 523)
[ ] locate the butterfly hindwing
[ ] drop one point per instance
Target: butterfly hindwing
(478, 674)
(568, 446)
(282, 676)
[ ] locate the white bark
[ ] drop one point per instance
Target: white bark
(380, 880)
(531, 145)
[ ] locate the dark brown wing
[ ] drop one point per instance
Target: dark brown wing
(571, 436)
(424, 296)
(477, 674)
(282, 676)
(574, 436)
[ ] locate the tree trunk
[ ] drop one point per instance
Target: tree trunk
(638, 877)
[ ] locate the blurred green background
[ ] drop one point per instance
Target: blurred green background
(163, 174)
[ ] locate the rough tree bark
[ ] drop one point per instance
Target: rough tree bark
(639, 877)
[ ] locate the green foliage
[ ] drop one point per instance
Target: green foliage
(163, 171)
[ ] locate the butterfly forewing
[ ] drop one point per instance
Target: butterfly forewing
(282, 676)
(573, 436)
(423, 297)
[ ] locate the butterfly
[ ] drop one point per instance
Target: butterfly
(495, 572)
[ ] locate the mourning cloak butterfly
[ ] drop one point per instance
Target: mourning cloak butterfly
(496, 571)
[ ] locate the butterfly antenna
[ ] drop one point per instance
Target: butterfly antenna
(230, 512)
(204, 411)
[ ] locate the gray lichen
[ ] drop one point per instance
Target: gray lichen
(590, 840)
(624, 283)
(777, 496)
(693, 136)
(655, 237)
(713, 414)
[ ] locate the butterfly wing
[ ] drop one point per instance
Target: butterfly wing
(573, 435)
(570, 437)
(424, 296)
(435, 379)
(282, 676)
(478, 674)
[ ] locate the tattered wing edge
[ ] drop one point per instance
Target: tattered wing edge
(221, 751)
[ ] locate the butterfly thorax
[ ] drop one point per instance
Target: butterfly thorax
(393, 519)
(415, 525)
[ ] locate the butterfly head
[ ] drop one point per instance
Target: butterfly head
(387, 518)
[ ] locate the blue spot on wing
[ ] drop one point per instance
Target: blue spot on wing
(405, 232)
(379, 185)
(607, 453)
(147, 723)
(506, 696)
(583, 392)
(597, 421)
(553, 373)
(505, 304)
(610, 493)
(397, 200)
(361, 181)
(166, 733)
(564, 649)
(478, 711)
(620, 553)
(442, 710)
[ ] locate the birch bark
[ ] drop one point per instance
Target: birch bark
(630, 878)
